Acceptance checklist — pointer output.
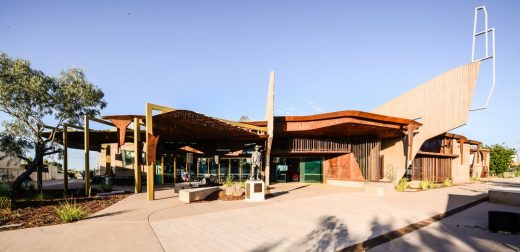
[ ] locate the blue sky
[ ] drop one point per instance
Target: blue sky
(214, 57)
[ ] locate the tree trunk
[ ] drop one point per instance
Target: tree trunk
(37, 163)
(17, 185)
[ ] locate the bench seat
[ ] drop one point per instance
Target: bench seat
(195, 194)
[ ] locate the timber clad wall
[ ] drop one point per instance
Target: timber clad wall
(431, 169)
(442, 104)
(368, 157)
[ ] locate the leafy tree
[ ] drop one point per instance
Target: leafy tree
(500, 158)
(33, 100)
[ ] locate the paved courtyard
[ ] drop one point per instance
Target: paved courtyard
(300, 218)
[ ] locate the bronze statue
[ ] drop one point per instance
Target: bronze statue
(256, 163)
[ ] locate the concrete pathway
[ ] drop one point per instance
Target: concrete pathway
(326, 219)
(302, 217)
(465, 231)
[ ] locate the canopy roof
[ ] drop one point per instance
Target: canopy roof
(185, 125)
(189, 126)
(347, 123)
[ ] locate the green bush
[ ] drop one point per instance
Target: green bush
(433, 185)
(447, 182)
(5, 203)
(40, 196)
(4, 191)
(425, 184)
(70, 212)
(228, 182)
(402, 185)
(105, 187)
(474, 179)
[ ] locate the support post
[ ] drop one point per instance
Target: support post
(150, 195)
(150, 162)
(461, 144)
(174, 170)
(87, 156)
(65, 161)
(137, 156)
(162, 170)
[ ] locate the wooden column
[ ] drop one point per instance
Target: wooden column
(137, 156)
(198, 167)
(162, 169)
(461, 143)
(150, 195)
(108, 160)
(174, 170)
(87, 156)
(151, 142)
(240, 172)
(65, 161)
(218, 171)
(410, 129)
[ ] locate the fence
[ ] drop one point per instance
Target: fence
(10, 174)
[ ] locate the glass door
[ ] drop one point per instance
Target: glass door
(311, 170)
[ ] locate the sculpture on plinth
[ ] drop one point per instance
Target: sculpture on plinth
(256, 163)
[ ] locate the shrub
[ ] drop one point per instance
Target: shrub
(447, 182)
(4, 191)
(425, 184)
(474, 179)
(5, 203)
(40, 196)
(228, 182)
(433, 185)
(402, 185)
(70, 212)
(105, 187)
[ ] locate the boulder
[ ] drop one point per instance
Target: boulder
(414, 184)
(230, 191)
(238, 191)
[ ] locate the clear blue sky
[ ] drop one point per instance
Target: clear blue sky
(214, 57)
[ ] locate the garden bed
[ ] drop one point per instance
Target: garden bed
(28, 213)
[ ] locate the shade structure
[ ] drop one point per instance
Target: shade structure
(185, 125)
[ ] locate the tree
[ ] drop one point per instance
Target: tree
(500, 156)
(33, 100)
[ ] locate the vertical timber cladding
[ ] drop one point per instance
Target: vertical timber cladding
(309, 145)
(368, 157)
(431, 169)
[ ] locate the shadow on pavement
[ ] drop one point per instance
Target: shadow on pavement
(106, 214)
(276, 194)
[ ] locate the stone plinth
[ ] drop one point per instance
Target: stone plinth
(255, 190)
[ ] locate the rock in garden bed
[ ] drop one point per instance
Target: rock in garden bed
(221, 195)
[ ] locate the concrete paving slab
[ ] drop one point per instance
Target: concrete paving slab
(465, 231)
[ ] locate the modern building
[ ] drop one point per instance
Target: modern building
(406, 136)
(450, 156)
